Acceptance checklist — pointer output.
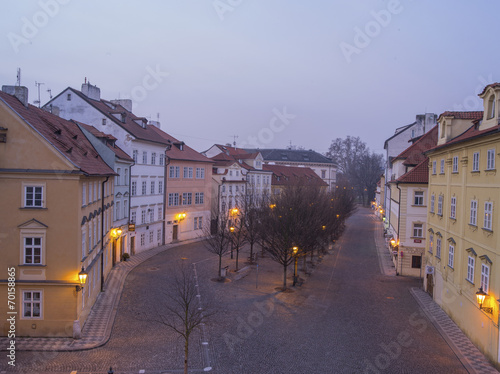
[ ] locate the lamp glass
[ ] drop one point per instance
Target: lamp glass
(82, 276)
(480, 295)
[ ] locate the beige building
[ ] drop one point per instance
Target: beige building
(463, 243)
(57, 214)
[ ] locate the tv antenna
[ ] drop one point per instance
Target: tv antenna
(234, 140)
(50, 93)
(18, 81)
(38, 84)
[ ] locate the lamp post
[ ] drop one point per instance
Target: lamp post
(295, 250)
(82, 277)
(481, 296)
(231, 229)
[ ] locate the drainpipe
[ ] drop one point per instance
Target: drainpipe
(102, 234)
(399, 221)
(130, 192)
(165, 178)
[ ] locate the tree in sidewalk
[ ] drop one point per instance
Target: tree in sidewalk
(237, 231)
(250, 207)
(218, 238)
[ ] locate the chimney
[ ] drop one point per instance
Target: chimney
(92, 92)
(20, 92)
(126, 103)
(155, 123)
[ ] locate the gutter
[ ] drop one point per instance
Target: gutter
(102, 234)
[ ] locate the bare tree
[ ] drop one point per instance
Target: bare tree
(237, 231)
(218, 238)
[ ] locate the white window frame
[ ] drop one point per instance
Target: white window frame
(438, 247)
(471, 261)
(455, 164)
(144, 188)
(153, 158)
(144, 157)
(30, 302)
(441, 167)
(143, 216)
(153, 187)
(187, 198)
(431, 242)
(475, 161)
(488, 215)
(160, 187)
(440, 205)
(451, 255)
(134, 188)
(199, 198)
(200, 173)
(453, 207)
(34, 202)
(490, 159)
(473, 213)
(418, 200)
(434, 168)
(173, 199)
(84, 194)
(418, 230)
(32, 248)
(485, 277)
(433, 203)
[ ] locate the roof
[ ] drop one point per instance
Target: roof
(63, 135)
(292, 176)
(398, 131)
(414, 154)
(110, 141)
(236, 152)
(463, 115)
(419, 174)
(492, 85)
(472, 132)
(292, 155)
(175, 153)
(130, 121)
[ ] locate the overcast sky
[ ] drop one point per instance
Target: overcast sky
(272, 72)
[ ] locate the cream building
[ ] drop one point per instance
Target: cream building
(463, 241)
(56, 221)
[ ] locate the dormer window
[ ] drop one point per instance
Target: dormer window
(443, 126)
(123, 117)
(491, 107)
(104, 121)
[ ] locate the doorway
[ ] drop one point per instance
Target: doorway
(430, 287)
(175, 232)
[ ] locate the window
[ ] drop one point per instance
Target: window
(151, 215)
(125, 208)
(196, 223)
(117, 210)
(90, 237)
(441, 170)
(160, 213)
(231, 189)
(68, 97)
(418, 230)
(133, 216)
(173, 199)
(453, 207)
(451, 255)
(488, 212)
(473, 213)
(475, 161)
(151, 236)
(134, 155)
(143, 216)
(200, 173)
(490, 159)
(433, 167)
(491, 107)
(84, 243)
(485, 277)
(158, 235)
(199, 198)
(438, 247)
(431, 242)
(323, 174)
(134, 188)
(470, 269)
(94, 233)
(188, 172)
(144, 157)
(144, 187)
(230, 173)
(33, 250)
(416, 262)
(84, 194)
(160, 187)
(32, 304)
(455, 164)
(162, 159)
(153, 158)
(440, 205)
(419, 198)
(33, 197)
(433, 200)
(118, 177)
(143, 239)
(187, 198)
(223, 188)
(174, 172)
(152, 187)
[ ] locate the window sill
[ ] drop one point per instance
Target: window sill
(33, 208)
(454, 172)
(419, 206)
(417, 237)
(34, 265)
(451, 267)
(472, 226)
(430, 252)
(453, 218)
(490, 169)
(487, 230)
(439, 258)
(469, 281)
(475, 171)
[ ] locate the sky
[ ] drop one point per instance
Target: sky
(263, 73)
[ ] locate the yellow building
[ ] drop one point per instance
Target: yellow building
(463, 241)
(57, 203)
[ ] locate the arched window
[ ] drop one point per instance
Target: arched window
(491, 107)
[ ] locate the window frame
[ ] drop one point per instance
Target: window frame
(475, 161)
(433, 203)
(37, 203)
(473, 213)
(418, 200)
(453, 207)
(451, 255)
(434, 167)
(471, 263)
(441, 166)
(490, 159)
(438, 247)
(418, 230)
(440, 205)
(488, 216)
(32, 301)
(485, 277)
(454, 168)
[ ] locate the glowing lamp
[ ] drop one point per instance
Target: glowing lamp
(82, 277)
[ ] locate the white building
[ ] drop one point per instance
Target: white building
(137, 139)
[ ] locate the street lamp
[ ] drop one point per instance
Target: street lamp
(295, 251)
(481, 295)
(231, 229)
(82, 277)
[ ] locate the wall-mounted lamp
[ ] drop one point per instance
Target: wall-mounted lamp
(82, 277)
(115, 233)
(234, 211)
(481, 295)
(181, 216)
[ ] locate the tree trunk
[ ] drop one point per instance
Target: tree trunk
(186, 351)
(220, 265)
(284, 277)
(251, 252)
(237, 256)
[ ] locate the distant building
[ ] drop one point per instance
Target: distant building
(287, 176)
(57, 215)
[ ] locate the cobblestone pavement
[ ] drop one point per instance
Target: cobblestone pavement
(347, 317)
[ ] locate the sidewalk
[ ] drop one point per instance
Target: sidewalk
(472, 359)
(97, 328)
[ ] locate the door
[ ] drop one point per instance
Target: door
(174, 233)
(132, 245)
(113, 250)
(430, 287)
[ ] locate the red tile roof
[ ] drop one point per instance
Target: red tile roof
(419, 174)
(414, 154)
(463, 115)
(110, 141)
(233, 151)
(493, 85)
(469, 134)
(292, 175)
(175, 153)
(63, 135)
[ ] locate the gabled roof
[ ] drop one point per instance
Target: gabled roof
(472, 132)
(292, 155)
(109, 141)
(414, 154)
(419, 174)
(463, 115)
(492, 85)
(232, 151)
(63, 135)
(292, 176)
(178, 150)
(130, 121)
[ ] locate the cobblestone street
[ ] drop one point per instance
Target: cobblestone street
(347, 317)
